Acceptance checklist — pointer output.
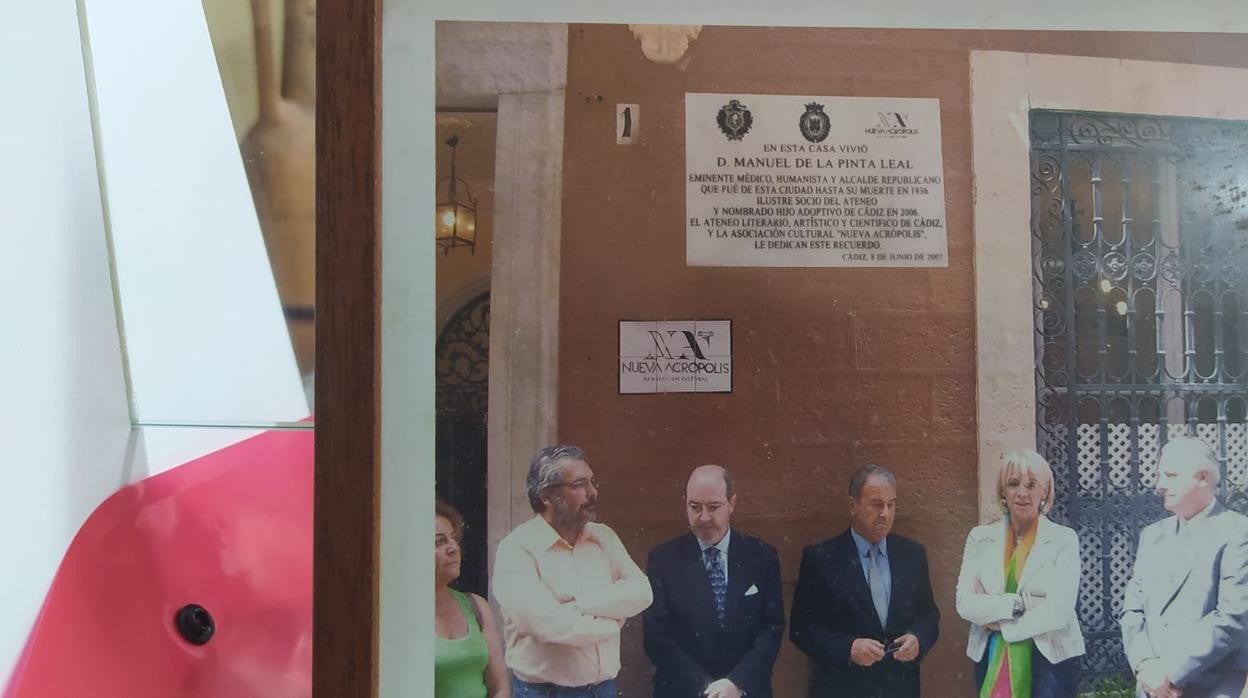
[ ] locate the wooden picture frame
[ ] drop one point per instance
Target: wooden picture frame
(346, 557)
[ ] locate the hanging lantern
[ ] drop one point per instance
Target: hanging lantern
(456, 212)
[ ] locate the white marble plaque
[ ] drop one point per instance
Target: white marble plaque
(790, 181)
(683, 356)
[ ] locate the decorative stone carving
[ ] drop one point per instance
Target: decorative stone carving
(666, 43)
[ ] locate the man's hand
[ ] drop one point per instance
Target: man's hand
(909, 649)
(865, 651)
(722, 688)
(1150, 678)
(1167, 690)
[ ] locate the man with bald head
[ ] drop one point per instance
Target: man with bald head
(717, 620)
(1185, 609)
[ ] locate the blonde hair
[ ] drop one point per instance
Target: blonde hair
(1023, 462)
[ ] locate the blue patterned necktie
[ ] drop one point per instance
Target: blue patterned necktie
(719, 585)
(879, 596)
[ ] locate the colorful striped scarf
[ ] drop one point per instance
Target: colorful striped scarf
(1009, 663)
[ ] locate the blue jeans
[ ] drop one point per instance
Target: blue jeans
(524, 689)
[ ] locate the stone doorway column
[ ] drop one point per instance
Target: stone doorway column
(519, 69)
(524, 315)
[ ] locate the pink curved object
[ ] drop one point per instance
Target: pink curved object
(232, 532)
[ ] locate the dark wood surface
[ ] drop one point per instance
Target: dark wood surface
(348, 230)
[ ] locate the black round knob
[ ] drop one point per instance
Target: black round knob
(195, 624)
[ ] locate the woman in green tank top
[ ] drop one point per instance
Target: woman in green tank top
(468, 658)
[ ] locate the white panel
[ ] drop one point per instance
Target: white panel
(157, 449)
(63, 421)
(203, 326)
(405, 663)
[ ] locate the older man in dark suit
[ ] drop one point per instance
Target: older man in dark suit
(863, 611)
(717, 619)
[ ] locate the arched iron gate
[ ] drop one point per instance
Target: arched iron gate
(1140, 244)
(462, 395)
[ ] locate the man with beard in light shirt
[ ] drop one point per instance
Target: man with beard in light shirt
(565, 585)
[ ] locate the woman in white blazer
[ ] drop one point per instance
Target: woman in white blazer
(1018, 587)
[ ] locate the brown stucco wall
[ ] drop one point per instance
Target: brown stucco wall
(833, 368)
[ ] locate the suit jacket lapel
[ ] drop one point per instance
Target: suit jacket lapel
(994, 576)
(738, 581)
(858, 582)
(695, 571)
(1173, 585)
(900, 577)
(1041, 553)
(1180, 562)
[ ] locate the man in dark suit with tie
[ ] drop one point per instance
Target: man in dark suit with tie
(717, 619)
(863, 610)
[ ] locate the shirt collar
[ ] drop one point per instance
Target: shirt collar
(545, 537)
(863, 545)
(1198, 516)
(1204, 513)
(721, 546)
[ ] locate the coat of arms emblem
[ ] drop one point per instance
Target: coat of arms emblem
(814, 123)
(734, 120)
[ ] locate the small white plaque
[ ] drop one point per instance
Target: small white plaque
(626, 123)
(682, 356)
